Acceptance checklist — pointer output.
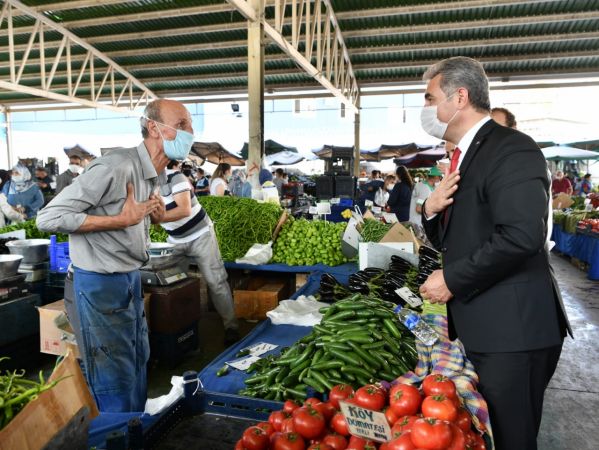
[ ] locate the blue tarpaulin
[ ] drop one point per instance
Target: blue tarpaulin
(580, 246)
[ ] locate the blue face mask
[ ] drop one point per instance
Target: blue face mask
(178, 148)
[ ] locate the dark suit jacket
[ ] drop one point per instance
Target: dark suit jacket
(399, 201)
(494, 258)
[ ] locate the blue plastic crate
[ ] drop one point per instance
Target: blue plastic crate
(59, 255)
(346, 202)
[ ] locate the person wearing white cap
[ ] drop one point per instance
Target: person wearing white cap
(421, 192)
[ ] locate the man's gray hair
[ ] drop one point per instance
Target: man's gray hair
(152, 112)
(458, 72)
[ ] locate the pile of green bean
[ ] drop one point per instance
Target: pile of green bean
(16, 392)
(359, 340)
(374, 230)
(240, 223)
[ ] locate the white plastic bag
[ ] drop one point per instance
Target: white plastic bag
(381, 197)
(257, 254)
(302, 312)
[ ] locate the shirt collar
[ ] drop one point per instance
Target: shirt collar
(147, 167)
(467, 139)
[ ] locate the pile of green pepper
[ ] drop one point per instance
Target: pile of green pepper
(32, 232)
(359, 340)
(16, 392)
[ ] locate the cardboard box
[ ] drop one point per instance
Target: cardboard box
(55, 331)
(399, 233)
(258, 298)
(58, 418)
(562, 200)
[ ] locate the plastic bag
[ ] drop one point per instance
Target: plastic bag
(257, 254)
(381, 197)
(302, 312)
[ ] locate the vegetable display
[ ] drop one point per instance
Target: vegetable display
(32, 232)
(359, 340)
(415, 417)
(373, 230)
(16, 391)
(305, 243)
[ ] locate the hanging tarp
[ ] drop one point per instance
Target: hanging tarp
(284, 158)
(396, 151)
(567, 153)
(215, 153)
(425, 158)
(78, 151)
(270, 148)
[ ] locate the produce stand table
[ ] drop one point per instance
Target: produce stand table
(580, 246)
(341, 270)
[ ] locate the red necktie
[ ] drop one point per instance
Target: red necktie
(454, 160)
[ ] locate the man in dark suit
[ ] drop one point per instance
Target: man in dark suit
(489, 219)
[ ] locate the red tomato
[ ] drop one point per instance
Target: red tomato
(276, 419)
(439, 407)
(320, 447)
(289, 441)
(458, 441)
(255, 438)
(267, 427)
(312, 401)
(336, 441)
(431, 434)
(475, 441)
(340, 392)
(339, 424)
(239, 445)
(358, 443)
(391, 416)
(464, 422)
(402, 442)
(370, 397)
(405, 399)
(274, 437)
(309, 423)
(327, 410)
(437, 384)
(290, 406)
(288, 426)
(403, 424)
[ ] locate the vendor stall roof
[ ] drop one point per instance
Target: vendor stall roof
(215, 153)
(199, 47)
(567, 153)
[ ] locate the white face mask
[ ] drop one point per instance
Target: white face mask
(390, 187)
(431, 123)
(437, 183)
(75, 168)
(17, 179)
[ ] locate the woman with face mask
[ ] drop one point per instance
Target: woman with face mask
(20, 190)
(7, 212)
(422, 190)
(401, 195)
(220, 179)
(382, 196)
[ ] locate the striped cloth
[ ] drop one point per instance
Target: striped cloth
(449, 358)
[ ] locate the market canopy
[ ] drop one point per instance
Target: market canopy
(78, 151)
(567, 153)
(284, 158)
(270, 148)
(215, 153)
(394, 151)
(586, 145)
(425, 158)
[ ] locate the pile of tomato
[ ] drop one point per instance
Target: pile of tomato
(590, 224)
(429, 418)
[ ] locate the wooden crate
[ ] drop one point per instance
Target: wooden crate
(260, 297)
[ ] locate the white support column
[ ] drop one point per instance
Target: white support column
(10, 157)
(256, 91)
(356, 168)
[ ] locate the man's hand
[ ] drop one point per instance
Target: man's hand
(134, 212)
(159, 211)
(442, 196)
(434, 288)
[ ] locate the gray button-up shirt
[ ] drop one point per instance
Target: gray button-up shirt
(101, 191)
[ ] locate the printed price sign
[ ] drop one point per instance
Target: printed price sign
(409, 297)
(365, 423)
(243, 363)
(260, 348)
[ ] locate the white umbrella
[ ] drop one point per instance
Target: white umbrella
(283, 158)
(566, 153)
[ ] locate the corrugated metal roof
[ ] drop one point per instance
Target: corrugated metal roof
(200, 45)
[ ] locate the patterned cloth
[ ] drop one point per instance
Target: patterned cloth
(449, 358)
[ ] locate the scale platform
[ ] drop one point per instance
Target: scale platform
(13, 287)
(35, 272)
(162, 277)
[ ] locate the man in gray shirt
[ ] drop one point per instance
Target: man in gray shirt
(107, 215)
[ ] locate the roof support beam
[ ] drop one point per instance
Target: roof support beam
(303, 18)
(68, 40)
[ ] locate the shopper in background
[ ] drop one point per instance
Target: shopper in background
(422, 190)
(23, 193)
(269, 189)
(8, 213)
(43, 180)
(220, 178)
(66, 178)
(382, 195)
(586, 185)
(504, 117)
(237, 181)
(202, 187)
(401, 195)
(561, 184)
(489, 219)
(279, 180)
(107, 214)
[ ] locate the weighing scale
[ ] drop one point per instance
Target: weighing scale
(34, 272)
(162, 269)
(13, 287)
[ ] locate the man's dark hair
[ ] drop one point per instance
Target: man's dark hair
(152, 112)
(200, 171)
(172, 163)
(280, 172)
(510, 119)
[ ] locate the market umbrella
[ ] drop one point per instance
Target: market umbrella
(567, 153)
(270, 148)
(425, 158)
(215, 153)
(326, 152)
(78, 151)
(586, 145)
(394, 151)
(284, 158)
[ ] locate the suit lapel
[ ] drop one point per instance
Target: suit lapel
(477, 142)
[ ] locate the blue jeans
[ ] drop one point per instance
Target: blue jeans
(115, 338)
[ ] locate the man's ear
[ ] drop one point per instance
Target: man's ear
(463, 97)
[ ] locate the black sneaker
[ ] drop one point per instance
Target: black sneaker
(231, 336)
